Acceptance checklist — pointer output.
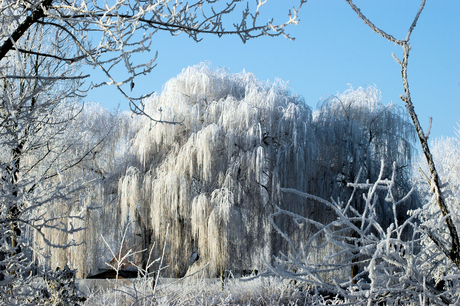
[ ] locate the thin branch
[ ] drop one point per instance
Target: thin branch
(42, 77)
(427, 135)
(414, 23)
(373, 26)
(37, 14)
(68, 60)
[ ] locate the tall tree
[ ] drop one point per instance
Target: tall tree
(38, 96)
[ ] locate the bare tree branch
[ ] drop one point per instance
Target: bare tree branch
(125, 28)
(68, 60)
(435, 184)
(37, 14)
(42, 77)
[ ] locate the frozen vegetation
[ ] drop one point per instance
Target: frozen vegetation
(249, 179)
(215, 178)
(261, 291)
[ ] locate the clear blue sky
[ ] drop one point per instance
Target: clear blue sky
(333, 48)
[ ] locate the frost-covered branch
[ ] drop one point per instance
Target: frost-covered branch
(387, 264)
(373, 26)
(38, 96)
(435, 184)
(110, 35)
(41, 77)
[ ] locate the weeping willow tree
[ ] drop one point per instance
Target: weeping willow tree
(214, 179)
(355, 130)
(355, 133)
(101, 156)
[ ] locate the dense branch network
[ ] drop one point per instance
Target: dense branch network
(108, 35)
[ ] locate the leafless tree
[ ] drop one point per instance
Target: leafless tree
(38, 98)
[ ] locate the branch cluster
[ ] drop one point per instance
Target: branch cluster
(363, 261)
(109, 35)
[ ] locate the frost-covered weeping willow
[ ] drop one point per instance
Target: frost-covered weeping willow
(356, 131)
(215, 178)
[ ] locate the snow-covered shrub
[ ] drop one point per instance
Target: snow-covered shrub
(446, 154)
(260, 291)
(58, 288)
(369, 263)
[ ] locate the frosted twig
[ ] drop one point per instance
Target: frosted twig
(161, 261)
(372, 26)
(427, 135)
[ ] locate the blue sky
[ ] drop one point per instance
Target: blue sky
(333, 49)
